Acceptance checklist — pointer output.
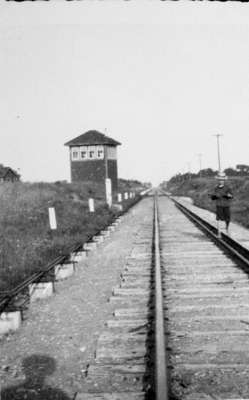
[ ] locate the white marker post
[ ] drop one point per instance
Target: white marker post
(52, 218)
(108, 188)
(91, 205)
(119, 197)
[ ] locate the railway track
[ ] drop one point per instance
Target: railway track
(180, 329)
(206, 304)
(196, 346)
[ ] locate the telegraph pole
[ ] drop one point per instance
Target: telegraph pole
(200, 159)
(218, 150)
(219, 165)
(189, 169)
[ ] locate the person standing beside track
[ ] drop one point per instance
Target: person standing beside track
(222, 196)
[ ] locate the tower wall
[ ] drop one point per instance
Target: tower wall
(88, 171)
(112, 168)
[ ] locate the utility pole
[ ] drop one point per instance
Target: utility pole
(189, 169)
(219, 171)
(218, 150)
(200, 159)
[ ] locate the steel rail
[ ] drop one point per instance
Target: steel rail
(233, 248)
(161, 380)
(8, 296)
(231, 245)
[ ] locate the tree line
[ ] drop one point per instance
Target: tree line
(239, 170)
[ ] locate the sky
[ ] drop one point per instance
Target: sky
(160, 77)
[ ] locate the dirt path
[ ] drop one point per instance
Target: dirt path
(57, 341)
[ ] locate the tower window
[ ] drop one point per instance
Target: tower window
(100, 153)
(83, 154)
(75, 154)
(91, 154)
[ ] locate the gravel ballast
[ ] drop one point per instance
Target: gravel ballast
(48, 357)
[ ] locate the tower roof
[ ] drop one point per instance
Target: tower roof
(91, 138)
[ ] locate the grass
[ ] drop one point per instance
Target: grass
(199, 188)
(26, 242)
